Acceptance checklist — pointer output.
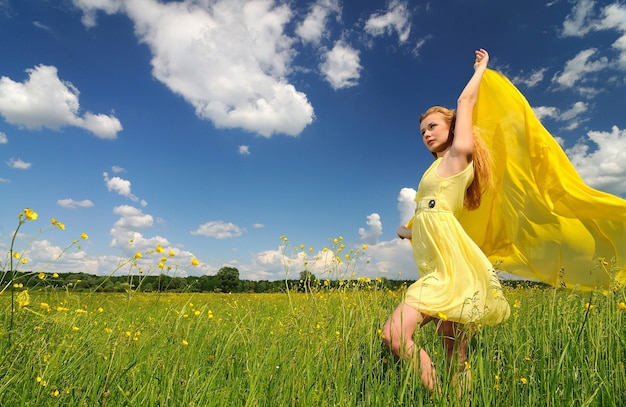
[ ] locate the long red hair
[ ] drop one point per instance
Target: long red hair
(480, 157)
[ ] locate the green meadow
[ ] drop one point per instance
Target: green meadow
(559, 348)
(320, 347)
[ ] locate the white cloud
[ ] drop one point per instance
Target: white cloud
(72, 204)
(532, 79)
(117, 169)
(258, 226)
(571, 115)
(391, 259)
(4, 181)
(615, 18)
(44, 254)
(419, 44)
(126, 228)
(396, 18)
(219, 230)
(577, 68)
(582, 20)
(313, 27)
(375, 229)
(121, 186)
(229, 59)
(18, 164)
(406, 204)
(3, 138)
(605, 167)
(44, 100)
(579, 21)
(244, 150)
(342, 66)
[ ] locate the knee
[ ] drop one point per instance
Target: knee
(391, 340)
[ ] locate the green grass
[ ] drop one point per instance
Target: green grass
(321, 349)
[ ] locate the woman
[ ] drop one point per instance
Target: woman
(457, 284)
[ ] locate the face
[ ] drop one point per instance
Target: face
(435, 132)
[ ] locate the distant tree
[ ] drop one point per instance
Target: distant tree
(307, 280)
(228, 279)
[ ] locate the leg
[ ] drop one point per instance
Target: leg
(398, 336)
(454, 341)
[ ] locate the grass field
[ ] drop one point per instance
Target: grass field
(559, 348)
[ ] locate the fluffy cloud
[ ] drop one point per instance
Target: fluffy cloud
(406, 204)
(229, 58)
(126, 228)
(579, 21)
(244, 150)
(572, 115)
(577, 68)
(374, 230)
(18, 164)
(603, 168)
(312, 28)
(44, 100)
(3, 138)
(530, 80)
(121, 186)
(612, 17)
(72, 204)
(396, 18)
(342, 66)
(219, 230)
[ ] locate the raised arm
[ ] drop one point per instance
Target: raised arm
(463, 143)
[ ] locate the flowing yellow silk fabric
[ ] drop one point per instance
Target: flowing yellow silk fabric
(541, 220)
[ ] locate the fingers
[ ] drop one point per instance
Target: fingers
(482, 55)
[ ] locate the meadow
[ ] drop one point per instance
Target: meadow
(321, 347)
(559, 348)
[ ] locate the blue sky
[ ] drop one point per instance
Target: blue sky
(213, 127)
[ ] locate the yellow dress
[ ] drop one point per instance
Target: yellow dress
(457, 281)
(540, 220)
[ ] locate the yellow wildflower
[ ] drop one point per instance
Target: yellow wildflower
(24, 261)
(523, 380)
(159, 249)
(58, 224)
(84, 236)
(16, 255)
(41, 276)
(364, 247)
(23, 299)
(195, 262)
(621, 306)
(44, 305)
(171, 253)
(30, 214)
(442, 316)
(163, 259)
(184, 342)
(589, 306)
(55, 393)
(55, 275)
(161, 265)
(75, 328)
(138, 255)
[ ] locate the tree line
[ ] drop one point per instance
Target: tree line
(226, 280)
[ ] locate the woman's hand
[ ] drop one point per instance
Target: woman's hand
(482, 58)
(404, 232)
